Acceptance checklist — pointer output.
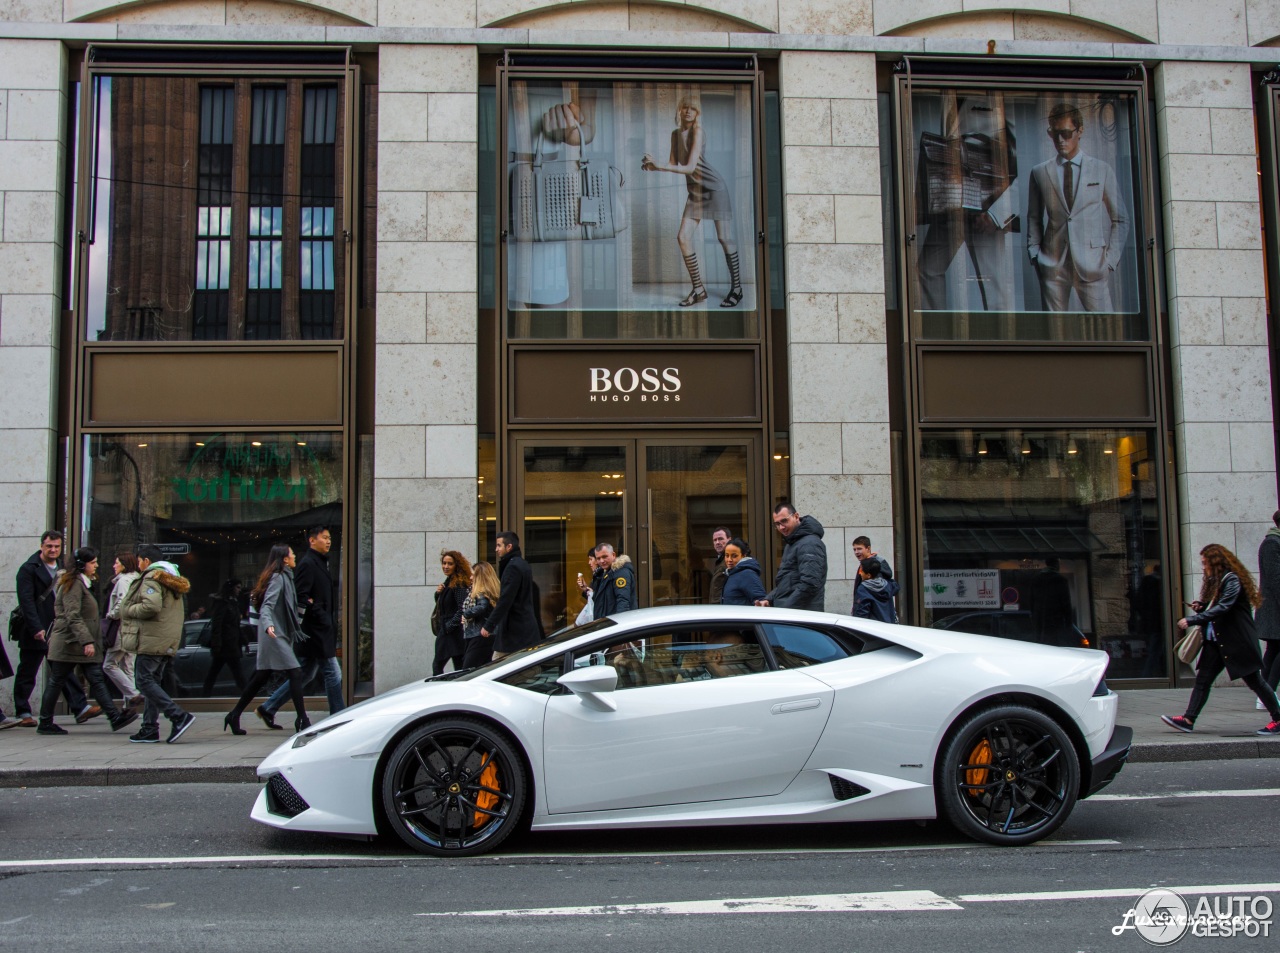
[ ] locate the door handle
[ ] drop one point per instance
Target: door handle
(800, 704)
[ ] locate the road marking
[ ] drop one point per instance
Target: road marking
(1247, 792)
(894, 900)
(887, 901)
(1105, 894)
(355, 859)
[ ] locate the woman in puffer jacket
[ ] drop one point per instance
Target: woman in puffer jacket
(742, 585)
(76, 639)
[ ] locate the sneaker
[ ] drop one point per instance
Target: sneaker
(125, 719)
(180, 726)
(87, 712)
(1258, 706)
(6, 723)
(1271, 729)
(1178, 722)
(52, 729)
(147, 735)
(24, 721)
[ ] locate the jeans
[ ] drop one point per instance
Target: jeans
(30, 659)
(149, 671)
(332, 672)
(60, 673)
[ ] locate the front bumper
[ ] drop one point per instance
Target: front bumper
(1107, 765)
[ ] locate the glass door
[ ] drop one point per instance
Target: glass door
(657, 500)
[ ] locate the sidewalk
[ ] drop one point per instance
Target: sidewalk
(91, 755)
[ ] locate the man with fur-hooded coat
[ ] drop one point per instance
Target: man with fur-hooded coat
(617, 589)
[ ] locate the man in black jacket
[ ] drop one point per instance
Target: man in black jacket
(801, 579)
(319, 653)
(513, 624)
(617, 590)
(35, 598)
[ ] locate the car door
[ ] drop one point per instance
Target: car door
(679, 736)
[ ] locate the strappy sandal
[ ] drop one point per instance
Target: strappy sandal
(732, 298)
(693, 297)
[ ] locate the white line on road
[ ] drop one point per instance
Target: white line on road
(1104, 894)
(356, 859)
(1249, 792)
(894, 900)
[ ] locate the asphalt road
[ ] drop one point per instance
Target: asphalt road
(122, 869)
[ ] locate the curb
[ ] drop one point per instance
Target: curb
(1223, 749)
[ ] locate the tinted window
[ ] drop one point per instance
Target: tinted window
(540, 677)
(667, 657)
(795, 646)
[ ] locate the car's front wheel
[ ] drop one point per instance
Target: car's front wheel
(454, 787)
(1009, 775)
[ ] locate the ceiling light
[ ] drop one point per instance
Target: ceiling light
(1071, 446)
(1026, 446)
(982, 446)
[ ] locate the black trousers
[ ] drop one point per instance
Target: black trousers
(63, 673)
(259, 679)
(30, 659)
(215, 666)
(1271, 664)
(1210, 667)
(479, 652)
(449, 649)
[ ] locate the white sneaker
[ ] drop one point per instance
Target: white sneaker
(1258, 705)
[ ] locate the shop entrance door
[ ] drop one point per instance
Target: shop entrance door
(656, 499)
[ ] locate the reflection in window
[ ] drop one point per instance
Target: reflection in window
(316, 297)
(1046, 536)
(680, 656)
(265, 299)
(213, 216)
(216, 503)
(795, 646)
(1026, 215)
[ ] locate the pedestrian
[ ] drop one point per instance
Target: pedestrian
(317, 598)
(226, 647)
(875, 593)
(450, 595)
(151, 618)
(862, 550)
(476, 609)
(801, 580)
(75, 638)
(35, 598)
(616, 591)
(513, 624)
(6, 671)
(742, 586)
(719, 572)
(1052, 615)
(1269, 612)
(587, 612)
(279, 631)
(1225, 611)
(117, 664)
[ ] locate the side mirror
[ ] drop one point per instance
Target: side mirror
(590, 683)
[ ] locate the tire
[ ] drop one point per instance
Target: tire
(1008, 776)
(454, 787)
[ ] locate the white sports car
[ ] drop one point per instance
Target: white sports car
(696, 716)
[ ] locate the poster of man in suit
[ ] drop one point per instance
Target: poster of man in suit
(1024, 204)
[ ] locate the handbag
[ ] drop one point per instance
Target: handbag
(1188, 646)
(18, 622)
(435, 620)
(110, 630)
(557, 200)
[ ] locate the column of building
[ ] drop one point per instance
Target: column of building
(1213, 255)
(425, 414)
(32, 156)
(840, 457)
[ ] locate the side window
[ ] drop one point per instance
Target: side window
(671, 656)
(795, 646)
(540, 677)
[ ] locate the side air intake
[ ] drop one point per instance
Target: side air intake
(844, 790)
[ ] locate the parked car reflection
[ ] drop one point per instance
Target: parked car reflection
(1006, 624)
(195, 655)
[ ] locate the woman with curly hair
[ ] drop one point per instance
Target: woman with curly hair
(450, 595)
(1225, 610)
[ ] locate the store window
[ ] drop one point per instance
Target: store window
(215, 209)
(1048, 536)
(1024, 216)
(215, 503)
(632, 210)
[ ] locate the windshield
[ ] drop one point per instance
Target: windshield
(564, 635)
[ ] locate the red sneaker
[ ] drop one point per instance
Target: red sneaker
(1271, 729)
(1178, 722)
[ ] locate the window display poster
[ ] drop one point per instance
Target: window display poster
(630, 196)
(1025, 201)
(962, 588)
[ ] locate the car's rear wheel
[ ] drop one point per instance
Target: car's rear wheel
(1009, 775)
(454, 787)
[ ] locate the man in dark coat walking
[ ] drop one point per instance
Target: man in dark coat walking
(1267, 617)
(801, 581)
(513, 624)
(319, 653)
(35, 598)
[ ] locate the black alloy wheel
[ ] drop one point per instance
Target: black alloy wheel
(454, 787)
(1008, 776)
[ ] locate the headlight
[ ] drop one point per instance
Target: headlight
(305, 739)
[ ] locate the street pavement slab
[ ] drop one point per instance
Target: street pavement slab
(93, 755)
